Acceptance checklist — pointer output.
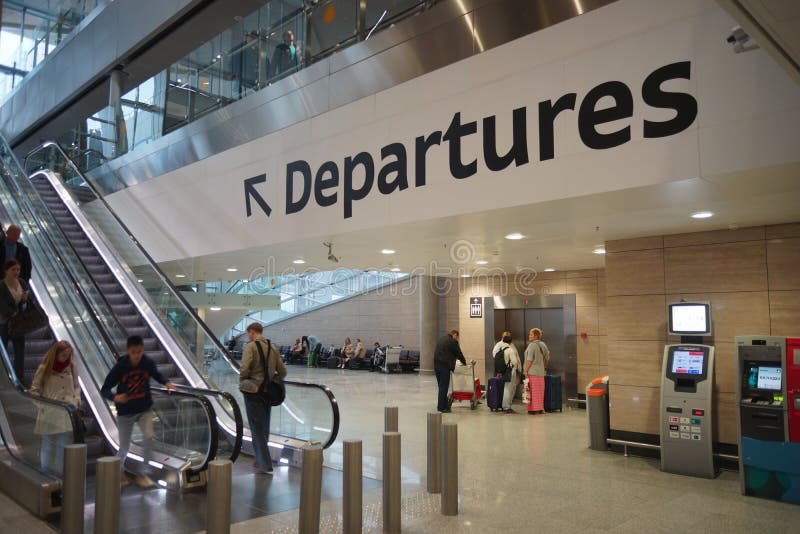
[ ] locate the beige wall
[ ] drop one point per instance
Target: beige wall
(749, 275)
(389, 315)
(588, 286)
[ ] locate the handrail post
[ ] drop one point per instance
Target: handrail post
(352, 507)
(434, 452)
(106, 509)
(219, 497)
(391, 482)
(449, 469)
(310, 490)
(74, 489)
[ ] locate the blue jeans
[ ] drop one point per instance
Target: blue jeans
(51, 454)
(443, 379)
(258, 413)
(125, 428)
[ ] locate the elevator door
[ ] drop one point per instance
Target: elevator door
(551, 320)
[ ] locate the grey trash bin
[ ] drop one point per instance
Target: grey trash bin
(597, 413)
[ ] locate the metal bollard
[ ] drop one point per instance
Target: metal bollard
(310, 490)
(74, 489)
(434, 452)
(218, 504)
(391, 482)
(390, 421)
(106, 508)
(352, 507)
(449, 469)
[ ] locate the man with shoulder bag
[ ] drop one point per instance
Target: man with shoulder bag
(260, 381)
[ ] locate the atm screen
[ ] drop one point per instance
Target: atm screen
(769, 378)
(687, 362)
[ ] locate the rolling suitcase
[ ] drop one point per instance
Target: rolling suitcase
(552, 393)
(494, 394)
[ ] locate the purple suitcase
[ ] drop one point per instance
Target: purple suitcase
(494, 394)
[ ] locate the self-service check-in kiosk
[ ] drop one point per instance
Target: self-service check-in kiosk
(768, 388)
(686, 390)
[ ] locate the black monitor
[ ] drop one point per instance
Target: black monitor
(690, 319)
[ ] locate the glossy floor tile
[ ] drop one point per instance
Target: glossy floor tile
(517, 473)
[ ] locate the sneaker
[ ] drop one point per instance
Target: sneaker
(446, 410)
(144, 481)
(509, 411)
(124, 481)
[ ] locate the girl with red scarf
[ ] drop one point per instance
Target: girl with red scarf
(55, 379)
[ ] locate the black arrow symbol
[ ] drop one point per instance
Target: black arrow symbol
(250, 191)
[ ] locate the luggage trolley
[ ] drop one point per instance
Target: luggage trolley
(464, 386)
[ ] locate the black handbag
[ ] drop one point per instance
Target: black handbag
(272, 389)
(30, 317)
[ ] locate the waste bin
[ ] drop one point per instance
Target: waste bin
(597, 413)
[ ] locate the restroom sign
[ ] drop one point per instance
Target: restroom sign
(475, 308)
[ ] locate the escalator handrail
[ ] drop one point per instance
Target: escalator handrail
(199, 322)
(237, 413)
(334, 406)
(73, 412)
(152, 264)
(211, 414)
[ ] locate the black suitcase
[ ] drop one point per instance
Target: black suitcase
(552, 393)
(494, 394)
(333, 361)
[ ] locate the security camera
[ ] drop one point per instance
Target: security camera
(331, 256)
(741, 41)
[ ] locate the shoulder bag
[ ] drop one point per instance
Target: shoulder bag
(272, 389)
(30, 317)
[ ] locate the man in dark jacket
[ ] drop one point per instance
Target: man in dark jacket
(11, 248)
(444, 361)
(131, 376)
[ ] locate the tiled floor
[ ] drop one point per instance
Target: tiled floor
(522, 473)
(517, 473)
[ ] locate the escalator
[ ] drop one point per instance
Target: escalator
(186, 434)
(131, 295)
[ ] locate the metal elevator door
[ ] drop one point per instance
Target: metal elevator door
(551, 321)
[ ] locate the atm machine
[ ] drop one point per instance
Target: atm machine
(768, 393)
(686, 393)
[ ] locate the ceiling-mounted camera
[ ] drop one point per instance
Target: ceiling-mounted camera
(741, 40)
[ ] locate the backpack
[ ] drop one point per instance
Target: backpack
(500, 366)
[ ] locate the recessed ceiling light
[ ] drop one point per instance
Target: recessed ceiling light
(515, 236)
(232, 269)
(180, 276)
(549, 270)
(599, 250)
(481, 262)
(299, 261)
(702, 214)
(395, 269)
(215, 308)
(388, 251)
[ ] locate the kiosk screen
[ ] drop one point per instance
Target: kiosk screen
(769, 378)
(686, 362)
